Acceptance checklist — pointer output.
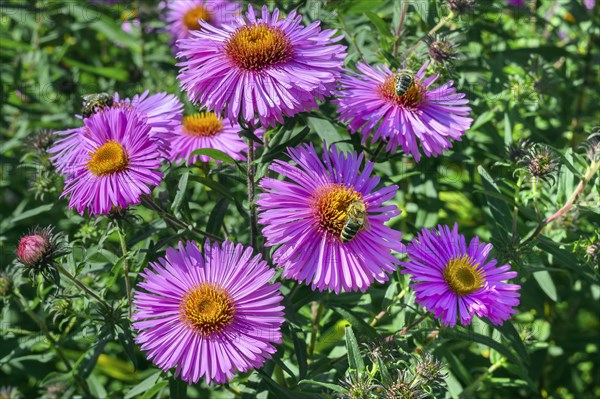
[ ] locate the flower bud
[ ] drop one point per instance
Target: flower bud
(5, 282)
(38, 252)
(33, 249)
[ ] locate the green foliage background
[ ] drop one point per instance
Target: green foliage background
(532, 72)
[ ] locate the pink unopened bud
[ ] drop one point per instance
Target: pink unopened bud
(33, 248)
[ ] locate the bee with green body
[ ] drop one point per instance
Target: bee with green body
(356, 219)
(95, 101)
(403, 81)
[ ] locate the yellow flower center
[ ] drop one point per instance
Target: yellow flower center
(207, 308)
(204, 124)
(109, 158)
(463, 276)
(410, 99)
(259, 46)
(330, 205)
(191, 17)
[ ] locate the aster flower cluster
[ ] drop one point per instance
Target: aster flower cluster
(207, 312)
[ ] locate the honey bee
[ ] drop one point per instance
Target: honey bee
(356, 219)
(93, 101)
(403, 81)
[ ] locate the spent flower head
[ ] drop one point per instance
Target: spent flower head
(517, 151)
(461, 6)
(357, 386)
(405, 386)
(430, 370)
(42, 141)
(592, 145)
(541, 162)
(441, 49)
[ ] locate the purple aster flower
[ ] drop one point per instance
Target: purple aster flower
(208, 314)
(162, 112)
(589, 4)
(183, 16)
(328, 220)
(266, 66)
(370, 103)
(116, 161)
(451, 279)
(516, 3)
(206, 130)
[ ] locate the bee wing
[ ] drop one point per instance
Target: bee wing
(366, 225)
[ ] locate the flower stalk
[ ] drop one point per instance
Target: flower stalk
(121, 231)
(569, 204)
(251, 174)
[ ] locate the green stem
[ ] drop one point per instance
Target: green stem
(174, 221)
(516, 208)
(399, 30)
(316, 312)
(466, 393)
(377, 151)
(352, 38)
(384, 311)
(54, 344)
(251, 190)
(534, 189)
(279, 377)
(570, 202)
(79, 284)
(121, 231)
(409, 327)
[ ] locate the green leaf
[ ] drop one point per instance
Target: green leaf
(181, 190)
(499, 215)
(379, 23)
(300, 351)
(383, 370)
(33, 212)
(218, 187)
(332, 387)
(217, 215)
(91, 358)
(327, 132)
(108, 72)
(355, 360)
(143, 386)
(545, 282)
(155, 389)
(291, 139)
(390, 294)
(359, 324)
(177, 388)
(126, 340)
(280, 391)
(214, 154)
(469, 335)
(509, 331)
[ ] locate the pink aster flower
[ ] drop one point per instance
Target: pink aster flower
(116, 161)
(264, 66)
(208, 315)
(162, 112)
(315, 218)
(452, 279)
(184, 16)
(206, 130)
(370, 103)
